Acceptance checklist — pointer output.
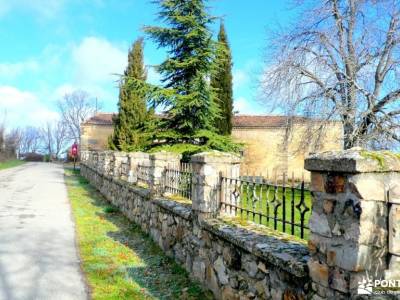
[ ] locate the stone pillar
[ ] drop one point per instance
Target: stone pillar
(84, 156)
(348, 239)
(119, 159)
(100, 163)
(207, 169)
(135, 159)
(158, 162)
(95, 159)
(394, 228)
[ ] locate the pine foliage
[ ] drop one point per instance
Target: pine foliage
(132, 107)
(221, 81)
(189, 102)
(188, 41)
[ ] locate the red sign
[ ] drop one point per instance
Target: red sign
(74, 149)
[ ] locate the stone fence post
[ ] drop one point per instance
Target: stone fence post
(119, 158)
(95, 159)
(207, 169)
(158, 162)
(84, 156)
(135, 159)
(353, 220)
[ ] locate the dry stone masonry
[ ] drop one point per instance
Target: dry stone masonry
(232, 261)
(354, 226)
(355, 221)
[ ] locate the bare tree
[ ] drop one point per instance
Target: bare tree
(75, 108)
(54, 136)
(31, 139)
(341, 61)
(46, 134)
(12, 142)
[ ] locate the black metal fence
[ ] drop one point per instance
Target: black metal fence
(177, 180)
(143, 175)
(284, 207)
(125, 169)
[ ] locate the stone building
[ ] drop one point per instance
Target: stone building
(273, 145)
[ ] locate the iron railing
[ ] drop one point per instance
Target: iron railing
(143, 174)
(177, 180)
(125, 170)
(284, 207)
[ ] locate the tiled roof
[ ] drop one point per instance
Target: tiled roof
(261, 121)
(101, 119)
(239, 121)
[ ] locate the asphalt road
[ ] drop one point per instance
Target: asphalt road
(38, 256)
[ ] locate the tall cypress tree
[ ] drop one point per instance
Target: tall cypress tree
(186, 93)
(132, 109)
(221, 81)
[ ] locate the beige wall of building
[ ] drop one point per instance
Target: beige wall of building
(95, 137)
(269, 148)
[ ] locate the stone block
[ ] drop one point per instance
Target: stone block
(317, 182)
(212, 282)
(249, 265)
(394, 229)
(355, 160)
(353, 257)
(329, 206)
(394, 188)
(198, 269)
(220, 268)
(369, 186)
(366, 233)
(229, 294)
(339, 280)
(319, 272)
(312, 247)
(334, 183)
(318, 223)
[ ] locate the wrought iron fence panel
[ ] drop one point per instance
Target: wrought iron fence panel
(143, 175)
(284, 207)
(177, 180)
(125, 169)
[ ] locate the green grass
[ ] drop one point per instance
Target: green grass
(10, 164)
(261, 199)
(118, 259)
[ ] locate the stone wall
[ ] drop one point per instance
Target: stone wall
(354, 225)
(355, 222)
(233, 261)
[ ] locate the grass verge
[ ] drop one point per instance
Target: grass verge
(11, 163)
(118, 259)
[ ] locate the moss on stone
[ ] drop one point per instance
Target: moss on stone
(243, 223)
(380, 156)
(179, 199)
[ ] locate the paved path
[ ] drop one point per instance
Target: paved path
(38, 257)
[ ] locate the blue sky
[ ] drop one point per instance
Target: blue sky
(52, 47)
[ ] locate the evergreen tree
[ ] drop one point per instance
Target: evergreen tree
(189, 101)
(221, 81)
(132, 110)
(186, 94)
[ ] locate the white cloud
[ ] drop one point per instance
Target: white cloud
(41, 8)
(23, 108)
(240, 78)
(13, 70)
(244, 106)
(98, 61)
(89, 65)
